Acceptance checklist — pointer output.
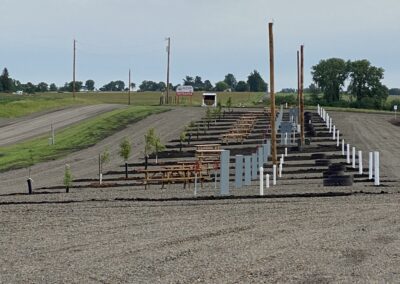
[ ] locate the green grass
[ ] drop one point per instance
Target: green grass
(12, 106)
(73, 138)
(17, 107)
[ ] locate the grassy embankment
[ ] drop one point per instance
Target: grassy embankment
(73, 138)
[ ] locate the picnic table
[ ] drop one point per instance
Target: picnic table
(208, 146)
(208, 154)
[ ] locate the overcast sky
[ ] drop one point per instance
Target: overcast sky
(210, 38)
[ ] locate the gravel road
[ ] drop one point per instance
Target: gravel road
(17, 130)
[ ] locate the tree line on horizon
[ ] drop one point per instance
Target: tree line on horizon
(254, 83)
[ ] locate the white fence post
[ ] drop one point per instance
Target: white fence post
(267, 180)
(338, 139)
(371, 165)
(334, 133)
(354, 157)
(261, 181)
(348, 154)
(274, 175)
(376, 168)
(360, 163)
(343, 154)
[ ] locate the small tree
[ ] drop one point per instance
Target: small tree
(125, 151)
(149, 139)
(68, 179)
(158, 147)
(182, 138)
(104, 158)
(229, 104)
(208, 116)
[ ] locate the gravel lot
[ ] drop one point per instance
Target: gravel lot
(103, 235)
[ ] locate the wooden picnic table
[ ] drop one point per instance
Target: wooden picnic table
(208, 154)
(168, 174)
(208, 146)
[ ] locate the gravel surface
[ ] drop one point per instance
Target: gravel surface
(28, 127)
(104, 235)
(304, 240)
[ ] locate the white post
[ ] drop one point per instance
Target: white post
(330, 125)
(101, 179)
(338, 139)
(354, 157)
(343, 147)
(285, 138)
(360, 163)
(371, 165)
(261, 181)
(195, 184)
(334, 133)
(348, 154)
(282, 158)
(274, 175)
(280, 169)
(285, 152)
(376, 168)
(267, 180)
(318, 108)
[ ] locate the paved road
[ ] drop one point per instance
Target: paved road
(29, 127)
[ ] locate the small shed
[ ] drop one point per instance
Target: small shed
(209, 100)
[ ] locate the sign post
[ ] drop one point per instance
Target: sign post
(184, 91)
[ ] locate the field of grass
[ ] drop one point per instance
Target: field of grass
(12, 106)
(73, 138)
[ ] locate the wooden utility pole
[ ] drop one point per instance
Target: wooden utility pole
(301, 92)
(129, 88)
(272, 93)
(169, 53)
(298, 88)
(73, 72)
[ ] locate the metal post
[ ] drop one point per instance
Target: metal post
(354, 157)
(301, 91)
(29, 181)
(273, 174)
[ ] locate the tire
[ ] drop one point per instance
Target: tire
(337, 167)
(317, 156)
(322, 162)
(331, 173)
(339, 181)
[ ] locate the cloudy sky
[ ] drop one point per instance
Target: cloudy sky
(210, 38)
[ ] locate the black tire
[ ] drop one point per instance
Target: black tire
(331, 173)
(322, 162)
(339, 181)
(337, 167)
(317, 156)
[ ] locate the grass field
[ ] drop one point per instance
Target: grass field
(73, 138)
(12, 106)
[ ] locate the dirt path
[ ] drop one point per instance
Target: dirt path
(84, 164)
(24, 128)
(372, 132)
